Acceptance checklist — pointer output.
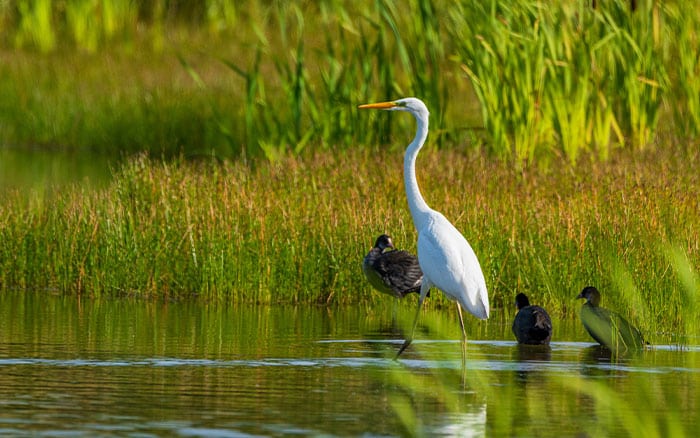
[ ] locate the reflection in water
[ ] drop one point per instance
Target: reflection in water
(598, 360)
(596, 354)
(122, 367)
(530, 353)
(464, 424)
(525, 352)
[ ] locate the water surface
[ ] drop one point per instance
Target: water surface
(75, 367)
(46, 168)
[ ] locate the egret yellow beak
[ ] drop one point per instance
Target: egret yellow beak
(380, 105)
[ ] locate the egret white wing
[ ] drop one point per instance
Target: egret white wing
(448, 260)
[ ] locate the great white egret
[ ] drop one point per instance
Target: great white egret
(608, 328)
(532, 325)
(444, 255)
(396, 273)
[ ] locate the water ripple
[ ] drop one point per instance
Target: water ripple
(560, 358)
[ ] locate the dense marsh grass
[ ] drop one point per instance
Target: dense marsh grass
(552, 83)
(561, 79)
(296, 230)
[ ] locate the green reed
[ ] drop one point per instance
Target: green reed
(565, 79)
(34, 26)
(685, 99)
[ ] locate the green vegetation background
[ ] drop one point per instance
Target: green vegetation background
(563, 144)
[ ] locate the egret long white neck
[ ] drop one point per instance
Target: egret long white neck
(416, 203)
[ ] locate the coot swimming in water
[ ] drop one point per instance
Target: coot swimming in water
(532, 325)
(606, 327)
(390, 271)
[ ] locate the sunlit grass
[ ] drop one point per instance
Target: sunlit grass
(296, 230)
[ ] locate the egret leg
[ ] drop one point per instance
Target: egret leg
(424, 288)
(464, 336)
(461, 323)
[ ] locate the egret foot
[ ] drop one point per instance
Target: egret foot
(424, 288)
(405, 345)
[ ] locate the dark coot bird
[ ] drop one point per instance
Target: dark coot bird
(532, 325)
(390, 271)
(606, 327)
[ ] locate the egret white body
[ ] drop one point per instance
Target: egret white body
(447, 260)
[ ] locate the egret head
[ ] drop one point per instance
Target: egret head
(410, 104)
(591, 295)
(383, 242)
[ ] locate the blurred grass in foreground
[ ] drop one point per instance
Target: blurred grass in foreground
(645, 394)
(605, 397)
(524, 81)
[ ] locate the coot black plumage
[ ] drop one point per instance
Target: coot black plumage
(532, 325)
(606, 327)
(390, 271)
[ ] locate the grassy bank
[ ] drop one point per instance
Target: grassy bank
(296, 230)
(523, 81)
